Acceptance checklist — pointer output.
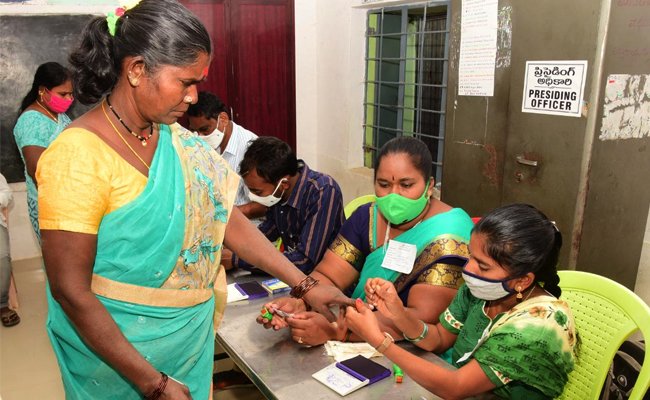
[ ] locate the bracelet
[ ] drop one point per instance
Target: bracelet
(155, 395)
(388, 340)
(425, 330)
(303, 287)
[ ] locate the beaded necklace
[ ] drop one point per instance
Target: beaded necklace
(122, 137)
(142, 139)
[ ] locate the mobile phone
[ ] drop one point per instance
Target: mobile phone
(252, 289)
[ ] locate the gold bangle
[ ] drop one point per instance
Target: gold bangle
(388, 340)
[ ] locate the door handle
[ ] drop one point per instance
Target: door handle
(524, 161)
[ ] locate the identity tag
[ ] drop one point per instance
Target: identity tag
(400, 256)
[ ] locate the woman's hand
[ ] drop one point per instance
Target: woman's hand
(363, 322)
(383, 295)
(311, 328)
(176, 391)
(286, 304)
(321, 297)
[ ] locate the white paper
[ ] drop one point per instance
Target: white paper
(626, 108)
(554, 87)
(478, 47)
(342, 351)
(400, 257)
(234, 294)
(338, 380)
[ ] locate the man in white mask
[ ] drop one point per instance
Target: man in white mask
(305, 207)
(210, 120)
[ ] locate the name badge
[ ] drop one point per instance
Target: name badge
(400, 257)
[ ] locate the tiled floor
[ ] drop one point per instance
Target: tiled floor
(28, 368)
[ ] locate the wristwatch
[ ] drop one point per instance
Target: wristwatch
(388, 340)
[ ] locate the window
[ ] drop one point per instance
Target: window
(406, 78)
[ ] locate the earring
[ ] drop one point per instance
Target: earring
(519, 295)
(134, 81)
(188, 100)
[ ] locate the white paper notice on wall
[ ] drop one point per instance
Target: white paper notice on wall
(554, 87)
(626, 107)
(478, 47)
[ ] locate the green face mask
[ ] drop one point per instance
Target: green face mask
(399, 209)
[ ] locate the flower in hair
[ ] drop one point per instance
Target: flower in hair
(112, 17)
(111, 20)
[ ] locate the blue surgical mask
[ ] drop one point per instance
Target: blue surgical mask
(487, 289)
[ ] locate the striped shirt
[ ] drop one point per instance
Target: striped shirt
(307, 222)
(234, 153)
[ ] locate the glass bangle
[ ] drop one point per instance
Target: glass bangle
(425, 330)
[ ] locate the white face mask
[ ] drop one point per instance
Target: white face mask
(486, 289)
(215, 138)
(269, 200)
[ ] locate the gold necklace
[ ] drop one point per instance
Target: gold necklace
(141, 138)
(47, 111)
(122, 137)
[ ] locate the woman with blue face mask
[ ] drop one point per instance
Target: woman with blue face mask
(509, 332)
(406, 236)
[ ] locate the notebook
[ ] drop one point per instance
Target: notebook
(347, 376)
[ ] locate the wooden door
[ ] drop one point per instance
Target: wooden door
(252, 68)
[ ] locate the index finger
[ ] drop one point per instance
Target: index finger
(341, 300)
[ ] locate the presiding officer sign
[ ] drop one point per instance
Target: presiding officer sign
(554, 87)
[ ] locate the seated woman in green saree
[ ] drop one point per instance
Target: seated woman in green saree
(405, 215)
(133, 213)
(509, 332)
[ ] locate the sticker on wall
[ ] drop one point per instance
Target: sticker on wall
(554, 87)
(626, 107)
(478, 47)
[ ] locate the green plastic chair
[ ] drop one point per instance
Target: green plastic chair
(606, 314)
(355, 203)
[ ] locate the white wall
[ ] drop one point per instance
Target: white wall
(330, 50)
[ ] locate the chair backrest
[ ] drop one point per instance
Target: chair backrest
(355, 203)
(606, 313)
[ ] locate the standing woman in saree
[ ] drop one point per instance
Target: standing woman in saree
(42, 118)
(134, 211)
(405, 212)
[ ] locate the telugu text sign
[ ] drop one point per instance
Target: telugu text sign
(554, 87)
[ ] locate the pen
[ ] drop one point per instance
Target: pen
(282, 313)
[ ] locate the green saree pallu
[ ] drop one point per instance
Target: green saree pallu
(441, 239)
(157, 273)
